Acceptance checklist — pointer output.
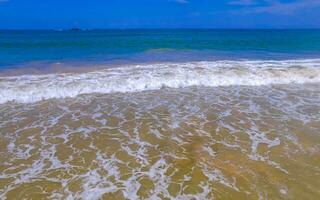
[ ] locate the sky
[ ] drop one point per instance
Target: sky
(122, 14)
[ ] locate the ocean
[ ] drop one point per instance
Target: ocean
(160, 114)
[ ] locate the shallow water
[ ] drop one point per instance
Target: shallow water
(160, 114)
(195, 142)
(155, 76)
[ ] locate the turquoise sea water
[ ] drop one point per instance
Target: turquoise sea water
(183, 114)
(20, 47)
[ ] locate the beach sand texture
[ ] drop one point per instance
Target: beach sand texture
(233, 142)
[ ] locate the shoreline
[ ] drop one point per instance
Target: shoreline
(191, 142)
(82, 66)
(138, 78)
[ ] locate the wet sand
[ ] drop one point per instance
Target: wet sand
(234, 142)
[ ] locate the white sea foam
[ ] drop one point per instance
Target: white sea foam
(32, 88)
(159, 154)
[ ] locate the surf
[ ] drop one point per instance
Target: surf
(138, 78)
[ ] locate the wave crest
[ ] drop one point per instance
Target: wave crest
(32, 88)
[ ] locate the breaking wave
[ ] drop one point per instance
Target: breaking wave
(33, 88)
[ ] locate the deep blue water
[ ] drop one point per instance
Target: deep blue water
(19, 47)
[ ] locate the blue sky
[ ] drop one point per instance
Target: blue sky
(47, 14)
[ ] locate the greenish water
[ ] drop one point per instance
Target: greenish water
(235, 115)
(18, 47)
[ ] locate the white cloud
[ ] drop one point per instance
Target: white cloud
(276, 6)
(181, 1)
(287, 8)
(243, 2)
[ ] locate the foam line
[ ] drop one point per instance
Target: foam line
(33, 88)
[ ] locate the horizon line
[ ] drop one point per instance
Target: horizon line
(139, 28)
